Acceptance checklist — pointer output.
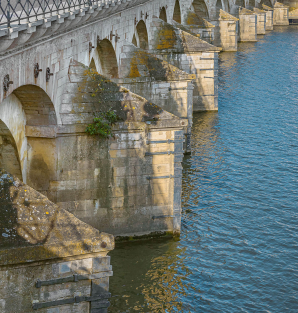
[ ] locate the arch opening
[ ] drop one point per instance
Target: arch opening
(250, 4)
(30, 115)
(9, 157)
(134, 40)
(177, 12)
(265, 2)
(37, 105)
(163, 14)
(92, 64)
(200, 8)
(108, 59)
(218, 7)
(142, 35)
(240, 3)
(226, 6)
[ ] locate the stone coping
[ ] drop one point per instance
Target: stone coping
(195, 20)
(280, 5)
(267, 8)
(259, 10)
(223, 15)
(32, 228)
(245, 11)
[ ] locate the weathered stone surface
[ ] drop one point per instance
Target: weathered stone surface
(228, 31)
(34, 229)
(247, 25)
(192, 55)
(280, 14)
(269, 16)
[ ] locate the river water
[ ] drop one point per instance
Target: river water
(238, 246)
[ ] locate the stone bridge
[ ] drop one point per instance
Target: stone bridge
(153, 62)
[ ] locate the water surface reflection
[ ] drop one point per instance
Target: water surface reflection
(238, 247)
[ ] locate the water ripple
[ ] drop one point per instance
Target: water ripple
(238, 248)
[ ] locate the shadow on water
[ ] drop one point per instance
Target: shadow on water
(147, 277)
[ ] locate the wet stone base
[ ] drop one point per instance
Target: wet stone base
(74, 285)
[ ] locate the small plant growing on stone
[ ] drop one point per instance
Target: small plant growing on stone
(103, 92)
(102, 124)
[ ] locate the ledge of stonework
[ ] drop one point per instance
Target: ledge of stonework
(259, 10)
(245, 11)
(193, 19)
(223, 15)
(139, 65)
(32, 228)
(267, 8)
(280, 5)
(130, 107)
(168, 38)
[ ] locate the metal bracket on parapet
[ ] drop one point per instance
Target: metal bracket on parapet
(6, 83)
(77, 299)
(73, 278)
(48, 74)
(91, 47)
(37, 70)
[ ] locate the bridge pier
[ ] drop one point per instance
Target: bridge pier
(228, 26)
(247, 25)
(269, 17)
(280, 14)
(49, 259)
(159, 82)
(193, 56)
(261, 21)
(199, 26)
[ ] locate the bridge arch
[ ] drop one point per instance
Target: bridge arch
(200, 8)
(142, 35)
(27, 118)
(266, 2)
(177, 12)
(218, 7)
(163, 14)
(250, 4)
(107, 65)
(134, 40)
(226, 6)
(240, 3)
(9, 156)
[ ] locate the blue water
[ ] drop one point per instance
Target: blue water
(238, 247)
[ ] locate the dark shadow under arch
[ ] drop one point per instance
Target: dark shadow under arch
(108, 59)
(92, 64)
(134, 40)
(241, 3)
(142, 34)
(200, 8)
(177, 12)
(226, 6)
(9, 156)
(40, 166)
(37, 105)
(266, 2)
(163, 14)
(218, 7)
